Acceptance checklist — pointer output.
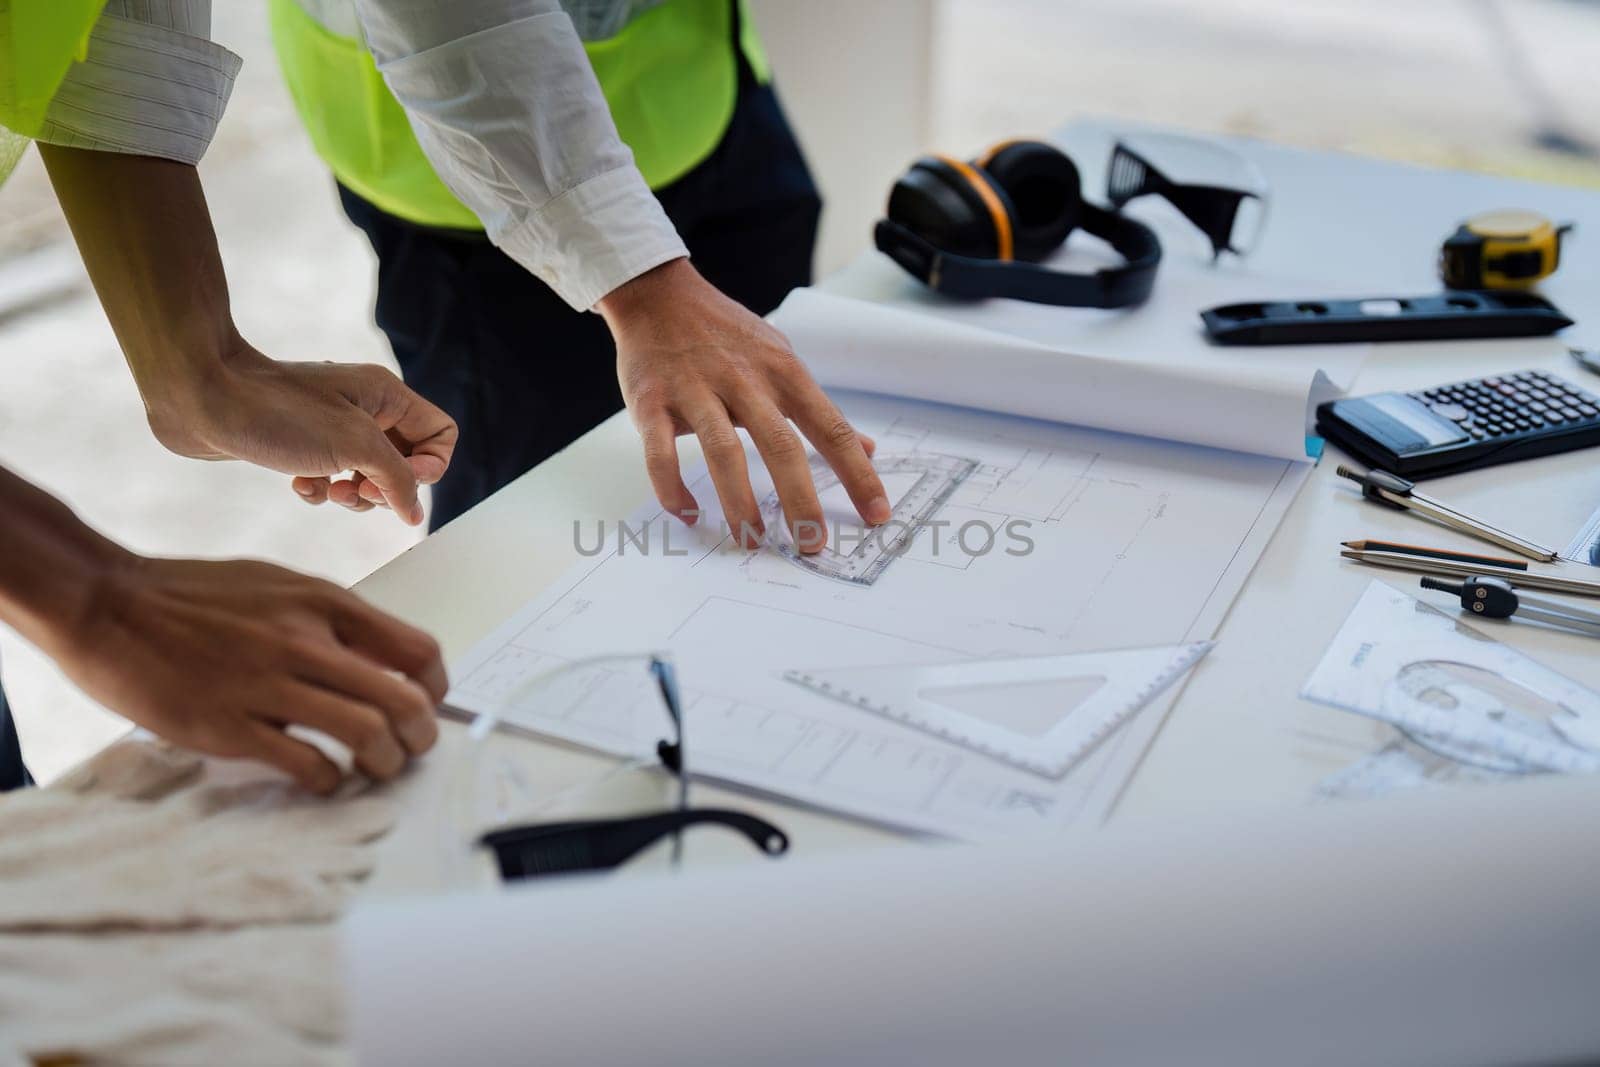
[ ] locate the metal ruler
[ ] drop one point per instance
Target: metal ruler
(868, 552)
(1128, 679)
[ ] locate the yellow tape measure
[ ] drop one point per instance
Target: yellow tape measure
(1501, 250)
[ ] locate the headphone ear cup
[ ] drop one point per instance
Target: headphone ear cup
(1044, 191)
(938, 203)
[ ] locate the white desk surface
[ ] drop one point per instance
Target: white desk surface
(1238, 736)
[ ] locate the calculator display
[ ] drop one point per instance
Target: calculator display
(1414, 416)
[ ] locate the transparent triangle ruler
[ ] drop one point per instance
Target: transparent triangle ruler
(868, 552)
(1047, 740)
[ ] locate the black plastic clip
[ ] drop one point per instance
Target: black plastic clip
(1375, 480)
(1490, 597)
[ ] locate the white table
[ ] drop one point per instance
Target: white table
(1238, 736)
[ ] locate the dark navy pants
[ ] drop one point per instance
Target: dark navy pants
(13, 775)
(522, 373)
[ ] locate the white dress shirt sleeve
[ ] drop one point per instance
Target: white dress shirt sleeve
(507, 108)
(152, 83)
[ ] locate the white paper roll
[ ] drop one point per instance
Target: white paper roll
(1152, 375)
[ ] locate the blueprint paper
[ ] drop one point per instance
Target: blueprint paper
(1149, 370)
(1135, 542)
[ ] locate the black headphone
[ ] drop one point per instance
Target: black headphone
(976, 229)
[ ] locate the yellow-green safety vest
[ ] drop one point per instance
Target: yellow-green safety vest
(670, 77)
(39, 40)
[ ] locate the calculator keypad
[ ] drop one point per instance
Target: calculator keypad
(1512, 405)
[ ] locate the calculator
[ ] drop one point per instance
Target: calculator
(1464, 425)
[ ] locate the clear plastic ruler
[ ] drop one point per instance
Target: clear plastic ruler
(1456, 691)
(868, 552)
(1042, 714)
(1479, 731)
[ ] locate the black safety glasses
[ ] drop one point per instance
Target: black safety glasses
(1223, 194)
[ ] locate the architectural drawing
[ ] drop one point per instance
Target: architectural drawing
(1046, 540)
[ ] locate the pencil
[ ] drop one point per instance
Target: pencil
(1456, 569)
(1435, 553)
(1397, 492)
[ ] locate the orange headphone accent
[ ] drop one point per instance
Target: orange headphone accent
(997, 210)
(994, 150)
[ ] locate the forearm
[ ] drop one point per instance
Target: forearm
(217, 656)
(50, 564)
(145, 234)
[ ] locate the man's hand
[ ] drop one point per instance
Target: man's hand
(313, 421)
(145, 233)
(691, 360)
(222, 657)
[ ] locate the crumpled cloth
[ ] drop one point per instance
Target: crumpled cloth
(140, 838)
(268, 996)
(157, 908)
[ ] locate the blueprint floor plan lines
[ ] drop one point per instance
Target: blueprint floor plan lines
(1101, 541)
(1014, 478)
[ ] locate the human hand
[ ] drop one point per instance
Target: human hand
(690, 360)
(313, 421)
(222, 657)
(146, 236)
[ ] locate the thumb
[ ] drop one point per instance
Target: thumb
(383, 465)
(427, 468)
(420, 429)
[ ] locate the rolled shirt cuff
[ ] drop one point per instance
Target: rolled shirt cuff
(143, 90)
(594, 237)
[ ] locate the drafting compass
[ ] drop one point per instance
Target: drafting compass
(1494, 598)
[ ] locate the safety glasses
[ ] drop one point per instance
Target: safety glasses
(1221, 192)
(536, 849)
